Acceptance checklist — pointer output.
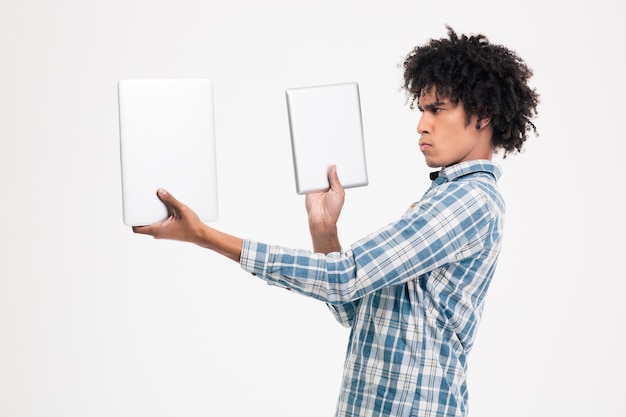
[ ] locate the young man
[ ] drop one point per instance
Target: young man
(412, 291)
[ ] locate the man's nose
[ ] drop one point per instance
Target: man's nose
(422, 126)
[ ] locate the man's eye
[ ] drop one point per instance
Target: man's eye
(435, 109)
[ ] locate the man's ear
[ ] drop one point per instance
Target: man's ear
(481, 123)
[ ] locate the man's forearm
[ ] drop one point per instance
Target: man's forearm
(325, 239)
(220, 242)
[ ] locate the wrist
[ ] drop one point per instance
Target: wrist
(222, 243)
(325, 238)
(323, 230)
(204, 236)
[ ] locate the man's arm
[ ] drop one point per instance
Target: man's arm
(324, 210)
(184, 225)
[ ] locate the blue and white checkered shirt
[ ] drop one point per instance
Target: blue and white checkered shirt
(412, 292)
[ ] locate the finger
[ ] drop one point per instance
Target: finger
(143, 230)
(168, 199)
(155, 230)
(333, 178)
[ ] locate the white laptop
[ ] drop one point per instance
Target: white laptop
(167, 140)
(326, 129)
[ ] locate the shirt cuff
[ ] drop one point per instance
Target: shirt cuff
(254, 257)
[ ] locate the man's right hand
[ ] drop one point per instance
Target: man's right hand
(183, 224)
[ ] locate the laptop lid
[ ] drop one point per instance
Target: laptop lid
(167, 140)
(326, 129)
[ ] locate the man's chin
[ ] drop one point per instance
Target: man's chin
(432, 164)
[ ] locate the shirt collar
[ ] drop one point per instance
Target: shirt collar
(455, 171)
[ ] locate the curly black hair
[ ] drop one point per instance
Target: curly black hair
(490, 80)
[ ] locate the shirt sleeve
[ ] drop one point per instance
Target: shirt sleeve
(445, 227)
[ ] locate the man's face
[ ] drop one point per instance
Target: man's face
(445, 136)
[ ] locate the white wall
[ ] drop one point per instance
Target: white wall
(96, 321)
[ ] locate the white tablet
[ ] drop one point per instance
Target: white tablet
(167, 140)
(326, 129)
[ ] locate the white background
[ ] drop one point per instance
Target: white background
(97, 321)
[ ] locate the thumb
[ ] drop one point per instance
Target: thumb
(172, 204)
(333, 178)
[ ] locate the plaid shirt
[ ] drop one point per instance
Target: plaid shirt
(412, 292)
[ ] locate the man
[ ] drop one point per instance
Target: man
(412, 291)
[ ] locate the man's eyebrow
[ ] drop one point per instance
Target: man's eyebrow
(431, 106)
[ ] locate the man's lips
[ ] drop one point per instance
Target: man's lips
(424, 146)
